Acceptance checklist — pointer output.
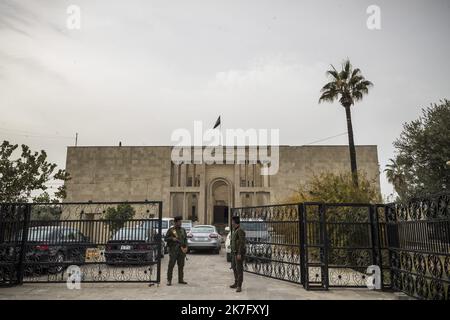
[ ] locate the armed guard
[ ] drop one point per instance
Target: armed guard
(237, 253)
(176, 239)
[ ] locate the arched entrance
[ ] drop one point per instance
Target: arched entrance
(220, 197)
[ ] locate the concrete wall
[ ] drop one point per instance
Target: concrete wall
(139, 173)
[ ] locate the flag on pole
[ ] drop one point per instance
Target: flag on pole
(217, 123)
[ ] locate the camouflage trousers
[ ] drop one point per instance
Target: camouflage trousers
(238, 269)
(176, 257)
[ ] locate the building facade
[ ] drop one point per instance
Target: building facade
(199, 191)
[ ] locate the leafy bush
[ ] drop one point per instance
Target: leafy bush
(118, 216)
(337, 188)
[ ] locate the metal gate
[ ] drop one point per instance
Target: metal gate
(273, 241)
(87, 242)
(339, 243)
(419, 247)
(323, 245)
(12, 241)
(316, 244)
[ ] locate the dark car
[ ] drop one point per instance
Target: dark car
(52, 248)
(153, 225)
(136, 245)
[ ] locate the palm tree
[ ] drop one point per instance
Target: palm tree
(396, 176)
(349, 86)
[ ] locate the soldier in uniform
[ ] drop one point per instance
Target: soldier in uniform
(237, 253)
(176, 239)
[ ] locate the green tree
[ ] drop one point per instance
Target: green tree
(395, 174)
(422, 152)
(116, 217)
(337, 188)
(348, 86)
(27, 174)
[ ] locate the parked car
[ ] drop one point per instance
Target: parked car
(204, 237)
(152, 224)
(187, 225)
(228, 244)
(52, 248)
(258, 238)
(167, 223)
(135, 245)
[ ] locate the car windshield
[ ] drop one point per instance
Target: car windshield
(254, 226)
(41, 234)
(133, 234)
(154, 224)
(202, 230)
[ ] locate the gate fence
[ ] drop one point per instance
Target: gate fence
(89, 242)
(273, 238)
(419, 247)
(323, 245)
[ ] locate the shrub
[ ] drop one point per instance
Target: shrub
(337, 188)
(118, 216)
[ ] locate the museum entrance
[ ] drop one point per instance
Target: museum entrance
(220, 202)
(221, 214)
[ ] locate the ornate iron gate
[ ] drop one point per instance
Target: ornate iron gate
(340, 241)
(419, 247)
(273, 239)
(323, 245)
(89, 242)
(13, 219)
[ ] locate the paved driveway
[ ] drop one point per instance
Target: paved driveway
(208, 276)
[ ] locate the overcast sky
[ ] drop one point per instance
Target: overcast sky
(137, 70)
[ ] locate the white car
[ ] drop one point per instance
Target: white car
(257, 236)
(187, 225)
(166, 223)
(228, 244)
(204, 237)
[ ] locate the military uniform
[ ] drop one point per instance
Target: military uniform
(176, 255)
(238, 248)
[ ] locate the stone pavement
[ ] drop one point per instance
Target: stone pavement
(208, 276)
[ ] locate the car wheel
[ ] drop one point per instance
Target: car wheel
(228, 257)
(59, 263)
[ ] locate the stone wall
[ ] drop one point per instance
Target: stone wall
(139, 173)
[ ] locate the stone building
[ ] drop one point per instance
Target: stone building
(197, 190)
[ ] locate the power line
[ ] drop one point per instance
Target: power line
(324, 139)
(33, 134)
